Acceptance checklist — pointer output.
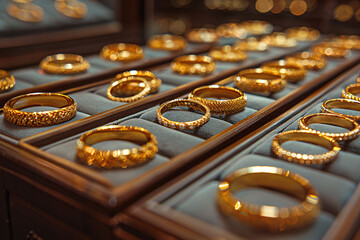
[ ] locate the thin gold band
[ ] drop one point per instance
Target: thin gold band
(154, 82)
(340, 103)
(7, 81)
(122, 52)
(134, 86)
(193, 64)
(64, 64)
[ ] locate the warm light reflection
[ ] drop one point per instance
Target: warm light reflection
(224, 186)
(264, 6)
(298, 7)
(269, 211)
(343, 12)
(279, 6)
(237, 205)
(357, 15)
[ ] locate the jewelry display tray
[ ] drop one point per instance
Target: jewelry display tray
(186, 208)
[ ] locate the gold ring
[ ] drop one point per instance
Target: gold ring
(305, 136)
(150, 77)
(122, 158)
(351, 92)
(167, 42)
(227, 54)
(230, 100)
(252, 44)
(310, 61)
(231, 30)
(258, 80)
(202, 35)
(186, 103)
(329, 49)
(348, 41)
(256, 27)
(290, 72)
(134, 86)
(303, 33)
(332, 119)
(7, 81)
(25, 11)
(122, 52)
(270, 218)
(64, 64)
(72, 9)
(193, 64)
(281, 40)
(340, 103)
(67, 109)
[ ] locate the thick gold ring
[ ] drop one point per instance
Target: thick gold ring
(351, 92)
(154, 82)
(231, 30)
(193, 64)
(332, 50)
(122, 158)
(186, 103)
(167, 42)
(333, 119)
(281, 40)
(252, 44)
(303, 33)
(202, 35)
(230, 100)
(64, 64)
(290, 72)
(67, 109)
(132, 88)
(7, 81)
(25, 11)
(72, 9)
(259, 80)
(227, 54)
(270, 218)
(310, 61)
(341, 103)
(256, 27)
(305, 136)
(122, 52)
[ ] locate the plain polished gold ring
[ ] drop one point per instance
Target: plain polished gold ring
(153, 81)
(122, 52)
(270, 218)
(310, 61)
(193, 65)
(290, 72)
(7, 81)
(167, 42)
(64, 64)
(351, 92)
(227, 54)
(128, 89)
(340, 103)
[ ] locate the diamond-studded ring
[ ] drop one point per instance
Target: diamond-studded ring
(128, 89)
(185, 103)
(67, 109)
(305, 136)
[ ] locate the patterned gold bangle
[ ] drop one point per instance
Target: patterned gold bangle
(230, 100)
(150, 77)
(193, 64)
(202, 35)
(252, 44)
(351, 92)
(72, 9)
(132, 88)
(64, 64)
(7, 81)
(310, 61)
(122, 158)
(231, 30)
(331, 50)
(310, 137)
(167, 42)
(332, 119)
(290, 72)
(270, 218)
(303, 33)
(122, 52)
(186, 103)
(67, 109)
(227, 54)
(281, 40)
(340, 103)
(258, 80)
(25, 11)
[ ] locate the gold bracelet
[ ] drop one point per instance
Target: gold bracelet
(122, 52)
(227, 54)
(332, 50)
(303, 33)
(122, 158)
(193, 64)
(167, 42)
(270, 218)
(333, 119)
(186, 103)
(72, 9)
(310, 61)
(305, 136)
(150, 77)
(202, 35)
(290, 72)
(230, 100)
(258, 80)
(281, 40)
(252, 44)
(351, 92)
(67, 109)
(134, 86)
(256, 27)
(350, 104)
(25, 11)
(64, 64)
(7, 81)
(231, 30)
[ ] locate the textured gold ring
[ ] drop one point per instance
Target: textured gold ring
(25, 11)
(64, 64)
(256, 27)
(193, 64)
(132, 88)
(229, 100)
(67, 109)
(202, 35)
(150, 77)
(281, 40)
(310, 61)
(351, 92)
(290, 72)
(252, 44)
(122, 158)
(270, 218)
(259, 80)
(72, 9)
(303, 33)
(227, 54)
(231, 30)
(7, 81)
(186, 103)
(331, 50)
(305, 136)
(167, 42)
(332, 119)
(122, 52)
(340, 103)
